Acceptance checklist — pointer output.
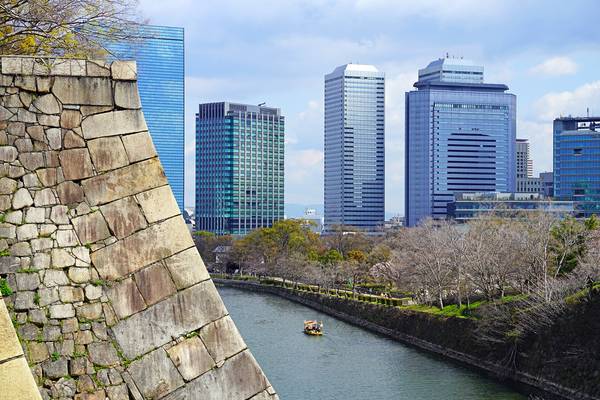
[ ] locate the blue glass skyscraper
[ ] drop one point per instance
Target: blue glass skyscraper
(239, 167)
(159, 54)
(460, 137)
(354, 147)
(577, 163)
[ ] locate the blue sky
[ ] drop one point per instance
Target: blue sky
(277, 51)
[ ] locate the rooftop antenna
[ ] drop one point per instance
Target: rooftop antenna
(261, 104)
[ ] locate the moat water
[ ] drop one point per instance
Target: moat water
(348, 362)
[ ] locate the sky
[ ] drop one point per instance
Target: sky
(278, 51)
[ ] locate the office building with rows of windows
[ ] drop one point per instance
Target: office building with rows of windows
(239, 167)
(460, 137)
(577, 163)
(159, 53)
(354, 147)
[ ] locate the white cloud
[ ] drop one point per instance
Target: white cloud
(304, 176)
(555, 66)
(553, 105)
(540, 138)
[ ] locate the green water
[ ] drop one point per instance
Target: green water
(347, 362)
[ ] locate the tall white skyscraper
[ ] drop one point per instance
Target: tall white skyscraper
(354, 147)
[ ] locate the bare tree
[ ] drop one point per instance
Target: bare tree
(68, 28)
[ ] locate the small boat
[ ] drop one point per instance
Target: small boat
(313, 328)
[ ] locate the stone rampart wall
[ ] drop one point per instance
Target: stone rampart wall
(111, 299)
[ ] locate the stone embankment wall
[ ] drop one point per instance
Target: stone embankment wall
(111, 299)
(561, 363)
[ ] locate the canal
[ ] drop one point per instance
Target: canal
(347, 362)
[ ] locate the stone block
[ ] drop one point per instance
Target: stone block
(47, 104)
(154, 283)
(90, 228)
(27, 281)
(76, 164)
(16, 129)
(93, 292)
(124, 182)
(72, 140)
(108, 153)
(21, 199)
(123, 217)
(54, 136)
(26, 116)
(41, 261)
(24, 301)
(126, 298)
(8, 153)
(91, 110)
(43, 84)
(103, 354)
(32, 161)
(8, 231)
(37, 317)
(9, 265)
(35, 215)
(239, 378)
(41, 244)
(155, 375)
(69, 193)
(222, 339)
(124, 70)
(5, 114)
(49, 120)
(90, 311)
(12, 65)
(23, 145)
(56, 369)
(79, 275)
(7, 185)
(47, 176)
(139, 146)
(37, 352)
(44, 197)
(113, 123)
(66, 238)
(78, 68)
(158, 204)
(17, 381)
(187, 268)
(21, 249)
(119, 392)
(70, 294)
(70, 119)
(61, 311)
(191, 358)
(58, 215)
(142, 248)
(126, 95)
(48, 296)
(173, 317)
(97, 68)
(27, 232)
(25, 83)
(55, 277)
(83, 91)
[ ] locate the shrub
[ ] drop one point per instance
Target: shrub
(5, 289)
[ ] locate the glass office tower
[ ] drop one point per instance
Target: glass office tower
(460, 137)
(159, 54)
(354, 147)
(239, 167)
(577, 163)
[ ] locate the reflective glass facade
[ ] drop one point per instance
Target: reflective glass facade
(577, 163)
(239, 167)
(160, 63)
(460, 137)
(354, 147)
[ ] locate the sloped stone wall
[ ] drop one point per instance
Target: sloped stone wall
(111, 299)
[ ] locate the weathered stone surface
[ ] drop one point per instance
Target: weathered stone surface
(139, 146)
(187, 268)
(191, 358)
(66, 238)
(16, 379)
(91, 110)
(119, 392)
(41, 261)
(41, 244)
(76, 164)
(27, 231)
(238, 379)
(126, 298)
(55, 369)
(93, 292)
(7, 186)
(21, 199)
(48, 296)
(103, 354)
(142, 248)
(23, 145)
(108, 153)
(9, 265)
(70, 119)
(8, 153)
(70, 294)
(172, 317)
(49, 120)
(69, 193)
(124, 70)
(124, 217)
(155, 375)
(10, 344)
(113, 123)
(12, 65)
(61, 311)
(32, 161)
(27, 281)
(154, 283)
(21, 249)
(83, 91)
(8, 231)
(222, 339)
(126, 95)
(37, 352)
(26, 116)
(72, 140)
(158, 204)
(124, 182)
(54, 136)
(90, 312)
(16, 128)
(47, 176)
(55, 277)
(97, 68)
(24, 301)
(58, 215)
(79, 275)
(47, 104)
(44, 197)
(35, 215)
(90, 228)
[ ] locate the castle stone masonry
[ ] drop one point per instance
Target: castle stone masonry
(111, 299)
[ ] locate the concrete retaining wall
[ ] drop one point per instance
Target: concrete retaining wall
(111, 299)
